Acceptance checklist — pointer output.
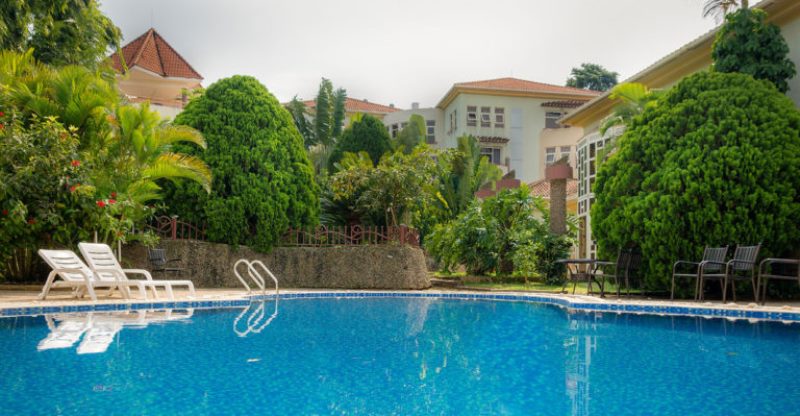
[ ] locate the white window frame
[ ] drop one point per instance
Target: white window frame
(551, 119)
(486, 116)
(499, 117)
(550, 156)
(430, 129)
(472, 116)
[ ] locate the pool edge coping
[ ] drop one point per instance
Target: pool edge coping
(587, 304)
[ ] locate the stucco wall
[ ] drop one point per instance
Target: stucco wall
(210, 265)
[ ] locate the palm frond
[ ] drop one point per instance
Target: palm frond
(175, 165)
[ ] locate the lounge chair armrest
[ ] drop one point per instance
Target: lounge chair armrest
(142, 272)
(696, 265)
(734, 261)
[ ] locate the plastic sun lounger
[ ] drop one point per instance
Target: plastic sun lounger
(75, 274)
(102, 260)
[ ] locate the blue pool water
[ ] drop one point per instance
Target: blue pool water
(405, 356)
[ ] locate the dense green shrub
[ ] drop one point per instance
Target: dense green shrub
(748, 45)
(365, 135)
(504, 234)
(717, 161)
(263, 180)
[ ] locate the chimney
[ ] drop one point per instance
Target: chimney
(415, 106)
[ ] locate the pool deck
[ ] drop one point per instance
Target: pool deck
(17, 299)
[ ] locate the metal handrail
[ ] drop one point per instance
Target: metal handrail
(251, 272)
(266, 269)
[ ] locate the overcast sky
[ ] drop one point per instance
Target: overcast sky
(400, 51)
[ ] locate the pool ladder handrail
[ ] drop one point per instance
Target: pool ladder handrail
(255, 276)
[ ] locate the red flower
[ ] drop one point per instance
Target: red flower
(2, 114)
(76, 163)
(31, 221)
(101, 204)
(112, 201)
(73, 187)
(5, 212)
(2, 126)
(113, 195)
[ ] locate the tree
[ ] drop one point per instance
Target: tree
(60, 32)
(365, 135)
(716, 162)
(720, 8)
(263, 180)
(411, 135)
(747, 44)
(593, 77)
(329, 112)
(463, 171)
(302, 120)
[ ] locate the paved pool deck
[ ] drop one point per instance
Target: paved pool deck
(18, 298)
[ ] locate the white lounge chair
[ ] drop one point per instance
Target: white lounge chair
(75, 274)
(102, 260)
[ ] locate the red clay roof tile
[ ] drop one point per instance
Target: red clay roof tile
(521, 85)
(151, 52)
(352, 105)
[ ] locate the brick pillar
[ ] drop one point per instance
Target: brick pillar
(557, 174)
(558, 206)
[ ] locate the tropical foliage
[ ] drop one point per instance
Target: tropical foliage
(593, 77)
(720, 8)
(367, 134)
(263, 180)
(505, 233)
(462, 172)
(59, 32)
(749, 45)
(411, 135)
(78, 161)
(716, 162)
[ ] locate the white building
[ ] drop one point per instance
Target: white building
(514, 120)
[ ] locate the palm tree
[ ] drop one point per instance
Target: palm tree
(720, 8)
(140, 150)
(633, 99)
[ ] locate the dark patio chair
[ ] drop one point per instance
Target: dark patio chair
(713, 261)
(159, 262)
(765, 273)
(741, 267)
(627, 263)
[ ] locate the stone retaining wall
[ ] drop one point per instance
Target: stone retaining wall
(210, 265)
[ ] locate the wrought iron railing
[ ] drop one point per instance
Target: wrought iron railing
(170, 228)
(349, 236)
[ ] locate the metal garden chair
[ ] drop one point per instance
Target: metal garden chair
(159, 262)
(765, 273)
(713, 261)
(628, 261)
(742, 266)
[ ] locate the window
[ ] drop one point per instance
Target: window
(486, 117)
(472, 116)
(499, 117)
(551, 120)
(431, 131)
(493, 153)
(403, 125)
(550, 155)
(394, 130)
(565, 152)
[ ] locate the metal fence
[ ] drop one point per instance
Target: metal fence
(170, 228)
(349, 236)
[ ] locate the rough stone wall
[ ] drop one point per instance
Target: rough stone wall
(558, 206)
(210, 265)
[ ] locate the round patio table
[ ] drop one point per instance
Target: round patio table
(582, 270)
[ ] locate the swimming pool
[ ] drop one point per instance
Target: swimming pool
(395, 356)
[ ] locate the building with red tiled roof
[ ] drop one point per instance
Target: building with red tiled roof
(355, 106)
(150, 69)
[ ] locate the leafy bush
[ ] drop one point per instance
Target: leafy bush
(263, 180)
(717, 161)
(365, 135)
(505, 233)
(746, 44)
